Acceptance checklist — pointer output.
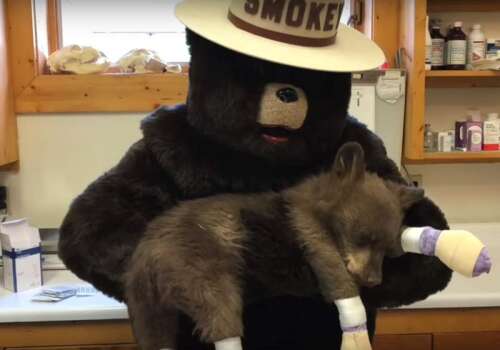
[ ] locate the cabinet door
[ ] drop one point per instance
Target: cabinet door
(8, 132)
(467, 341)
(403, 342)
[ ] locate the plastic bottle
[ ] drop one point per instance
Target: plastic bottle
(438, 44)
(429, 139)
(456, 48)
(428, 45)
(491, 130)
(476, 46)
(491, 49)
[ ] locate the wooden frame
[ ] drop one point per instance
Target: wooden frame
(36, 92)
(412, 42)
(8, 130)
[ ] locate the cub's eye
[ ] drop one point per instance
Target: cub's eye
(368, 240)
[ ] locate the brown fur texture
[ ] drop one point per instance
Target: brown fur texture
(208, 257)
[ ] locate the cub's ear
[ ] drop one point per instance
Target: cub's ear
(350, 162)
(410, 195)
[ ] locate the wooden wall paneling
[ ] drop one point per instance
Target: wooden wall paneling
(423, 321)
(54, 33)
(403, 342)
(412, 43)
(8, 128)
(385, 31)
(102, 93)
(65, 334)
(23, 52)
(467, 341)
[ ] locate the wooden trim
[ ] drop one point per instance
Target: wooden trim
(457, 157)
(385, 27)
(462, 74)
(24, 57)
(38, 93)
(467, 341)
(65, 334)
(104, 93)
(8, 129)
(85, 347)
(412, 43)
(427, 321)
(54, 33)
(406, 342)
(464, 6)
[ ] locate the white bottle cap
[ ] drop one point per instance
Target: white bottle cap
(492, 116)
(476, 26)
(458, 24)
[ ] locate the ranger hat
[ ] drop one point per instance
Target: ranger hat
(300, 33)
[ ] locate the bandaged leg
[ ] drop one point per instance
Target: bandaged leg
(352, 315)
(460, 250)
(229, 344)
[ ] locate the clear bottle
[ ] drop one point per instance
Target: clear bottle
(428, 46)
(438, 44)
(456, 48)
(429, 139)
(476, 46)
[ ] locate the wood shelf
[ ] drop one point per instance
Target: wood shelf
(457, 157)
(462, 73)
(461, 78)
(463, 5)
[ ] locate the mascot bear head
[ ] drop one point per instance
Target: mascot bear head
(272, 78)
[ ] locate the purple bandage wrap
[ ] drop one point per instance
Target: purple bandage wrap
(361, 328)
(483, 263)
(428, 241)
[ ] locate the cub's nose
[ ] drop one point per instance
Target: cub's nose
(287, 95)
(372, 281)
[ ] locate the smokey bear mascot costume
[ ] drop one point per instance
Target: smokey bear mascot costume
(269, 90)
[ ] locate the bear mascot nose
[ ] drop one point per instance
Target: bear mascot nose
(288, 95)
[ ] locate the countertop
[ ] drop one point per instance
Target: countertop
(18, 307)
(483, 291)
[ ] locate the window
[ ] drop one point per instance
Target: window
(39, 27)
(118, 26)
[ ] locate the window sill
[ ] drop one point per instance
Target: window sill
(102, 93)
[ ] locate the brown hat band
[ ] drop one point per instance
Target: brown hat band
(283, 37)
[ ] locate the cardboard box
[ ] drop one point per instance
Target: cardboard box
(22, 252)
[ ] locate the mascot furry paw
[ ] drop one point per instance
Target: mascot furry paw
(267, 108)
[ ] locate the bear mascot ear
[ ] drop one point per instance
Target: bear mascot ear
(349, 163)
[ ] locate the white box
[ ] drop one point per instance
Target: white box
(21, 250)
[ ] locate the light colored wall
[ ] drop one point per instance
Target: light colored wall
(59, 156)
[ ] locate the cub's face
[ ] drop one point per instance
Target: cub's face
(280, 113)
(370, 221)
(366, 215)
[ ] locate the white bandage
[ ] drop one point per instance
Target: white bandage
(352, 312)
(229, 344)
(410, 239)
(459, 250)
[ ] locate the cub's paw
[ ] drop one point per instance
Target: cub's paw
(356, 338)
